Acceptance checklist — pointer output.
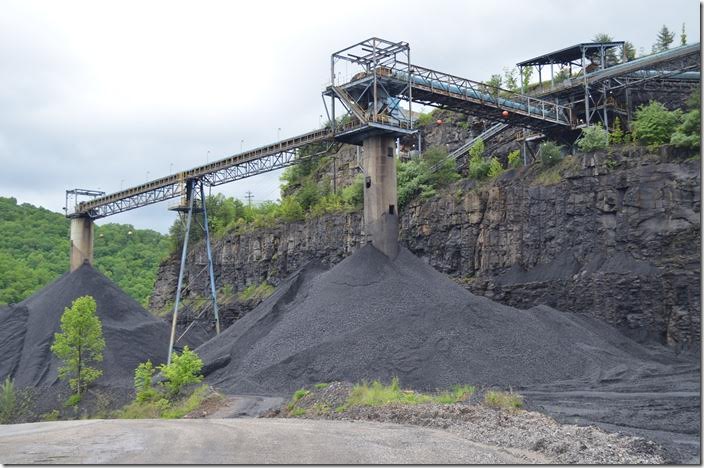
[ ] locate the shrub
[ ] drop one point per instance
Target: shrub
(183, 370)
(654, 124)
(290, 210)
(593, 138)
(616, 135)
(8, 401)
(424, 120)
(143, 375)
(505, 400)
(495, 167)
(424, 175)
(687, 134)
(353, 194)
(514, 158)
(478, 166)
(550, 153)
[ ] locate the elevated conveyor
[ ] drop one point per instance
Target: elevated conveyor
(680, 64)
(249, 163)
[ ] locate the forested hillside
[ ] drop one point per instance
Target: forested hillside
(34, 250)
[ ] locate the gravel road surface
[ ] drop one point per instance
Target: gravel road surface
(250, 441)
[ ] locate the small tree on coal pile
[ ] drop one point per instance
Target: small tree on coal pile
(79, 345)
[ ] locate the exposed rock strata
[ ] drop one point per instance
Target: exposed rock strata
(616, 237)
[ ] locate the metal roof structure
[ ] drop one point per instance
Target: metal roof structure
(569, 54)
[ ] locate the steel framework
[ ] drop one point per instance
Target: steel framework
(264, 159)
(379, 76)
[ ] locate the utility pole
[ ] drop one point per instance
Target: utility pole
(249, 196)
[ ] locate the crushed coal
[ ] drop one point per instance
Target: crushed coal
(132, 335)
(370, 317)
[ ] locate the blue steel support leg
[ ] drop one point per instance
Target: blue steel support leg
(190, 195)
(210, 261)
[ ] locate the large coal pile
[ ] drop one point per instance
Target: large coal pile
(370, 317)
(27, 330)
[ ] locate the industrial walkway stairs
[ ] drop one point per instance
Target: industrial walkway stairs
(485, 136)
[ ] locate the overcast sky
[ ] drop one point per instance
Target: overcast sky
(101, 95)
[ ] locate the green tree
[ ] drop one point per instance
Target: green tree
(683, 36)
(510, 80)
(79, 345)
(495, 167)
(527, 75)
(493, 85)
(654, 124)
(687, 134)
(610, 54)
(143, 375)
(616, 134)
(478, 166)
(184, 369)
(664, 39)
(630, 50)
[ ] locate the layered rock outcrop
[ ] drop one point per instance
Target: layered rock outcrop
(615, 236)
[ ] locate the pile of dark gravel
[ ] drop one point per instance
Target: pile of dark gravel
(132, 335)
(370, 317)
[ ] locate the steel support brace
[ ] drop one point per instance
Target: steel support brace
(182, 266)
(210, 261)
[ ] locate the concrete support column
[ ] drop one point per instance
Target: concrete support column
(81, 241)
(380, 199)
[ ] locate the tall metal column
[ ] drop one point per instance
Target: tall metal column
(586, 87)
(210, 261)
(189, 191)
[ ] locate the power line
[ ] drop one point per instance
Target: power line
(249, 197)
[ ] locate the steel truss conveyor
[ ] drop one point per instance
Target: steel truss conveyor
(239, 166)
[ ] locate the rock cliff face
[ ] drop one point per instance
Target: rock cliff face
(615, 236)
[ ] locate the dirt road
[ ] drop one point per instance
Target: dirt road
(208, 441)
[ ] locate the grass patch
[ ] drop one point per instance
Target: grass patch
(298, 411)
(456, 394)
(162, 408)
(297, 395)
(185, 406)
(52, 415)
(255, 292)
(321, 386)
(551, 175)
(504, 400)
(378, 394)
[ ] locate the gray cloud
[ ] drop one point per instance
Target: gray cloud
(99, 95)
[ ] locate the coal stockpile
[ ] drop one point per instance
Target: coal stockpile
(27, 330)
(370, 317)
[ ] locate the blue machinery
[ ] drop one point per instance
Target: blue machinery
(378, 78)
